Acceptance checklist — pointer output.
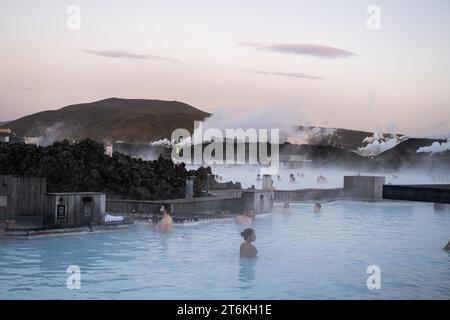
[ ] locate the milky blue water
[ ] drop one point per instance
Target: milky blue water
(301, 255)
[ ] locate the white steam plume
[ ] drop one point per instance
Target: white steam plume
(379, 143)
(435, 147)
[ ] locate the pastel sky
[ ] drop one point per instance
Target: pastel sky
(317, 59)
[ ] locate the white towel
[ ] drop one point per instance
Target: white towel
(110, 218)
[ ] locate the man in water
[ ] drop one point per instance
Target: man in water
(251, 214)
(166, 223)
(243, 218)
(285, 209)
(291, 178)
(248, 250)
(272, 186)
(317, 207)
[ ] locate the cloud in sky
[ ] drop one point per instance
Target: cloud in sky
(126, 55)
(289, 74)
(316, 50)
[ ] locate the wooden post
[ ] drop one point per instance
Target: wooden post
(267, 182)
(189, 188)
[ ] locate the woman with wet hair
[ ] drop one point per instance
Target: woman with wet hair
(248, 250)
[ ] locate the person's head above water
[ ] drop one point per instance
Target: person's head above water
(317, 207)
(248, 234)
(251, 214)
(165, 208)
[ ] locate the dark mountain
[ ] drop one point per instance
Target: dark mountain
(326, 155)
(114, 119)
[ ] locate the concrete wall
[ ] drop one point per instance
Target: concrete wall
(364, 187)
(261, 201)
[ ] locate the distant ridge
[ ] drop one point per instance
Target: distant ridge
(346, 139)
(113, 119)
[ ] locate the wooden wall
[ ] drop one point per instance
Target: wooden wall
(181, 207)
(364, 186)
(74, 213)
(24, 196)
(307, 194)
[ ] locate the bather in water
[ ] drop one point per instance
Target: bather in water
(291, 178)
(166, 223)
(321, 179)
(317, 207)
(285, 210)
(248, 250)
(251, 214)
(243, 218)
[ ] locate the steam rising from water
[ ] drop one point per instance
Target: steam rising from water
(162, 143)
(379, 143)
(335, 177)
(435, 147)
(56, 132)
(284, 118)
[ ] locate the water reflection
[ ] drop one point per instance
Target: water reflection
(316, 256)
(247, 272)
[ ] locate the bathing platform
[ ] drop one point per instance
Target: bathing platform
(65, 213)
(25, 230)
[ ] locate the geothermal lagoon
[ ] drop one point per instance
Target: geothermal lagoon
(301, 254)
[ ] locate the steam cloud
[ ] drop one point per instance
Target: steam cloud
(435, 147)
(162, 143)
(379, 143)
(284, 119)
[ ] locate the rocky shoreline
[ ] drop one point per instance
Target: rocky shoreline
(84, 166)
